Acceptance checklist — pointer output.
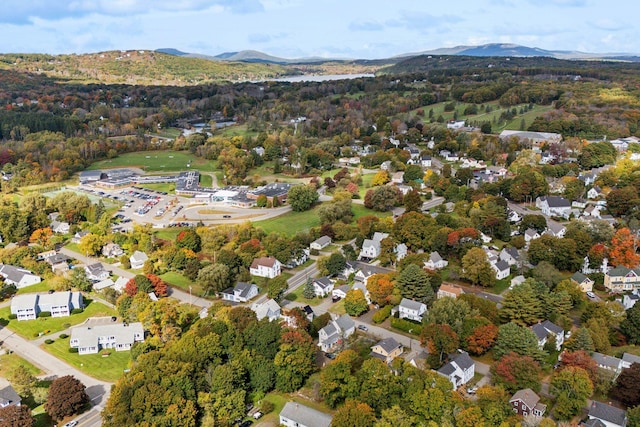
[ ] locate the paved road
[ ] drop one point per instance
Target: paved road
(97, 390)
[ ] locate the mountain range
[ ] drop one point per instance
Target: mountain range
(491, 49)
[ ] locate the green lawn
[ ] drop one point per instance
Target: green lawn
(42, 418)
(168, 187)
(360, 211)
(38, 287)
(206, 180)
(170, 233)
(30, 329)
(291, 222)
(179, 281)
(103, 368)
(297, 296)
(156, 161)
(235, 130)
(500, 286)
(9, 362)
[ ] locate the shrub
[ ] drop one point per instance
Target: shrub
(63, 336)
(314, 252)
(382, 314)
(77, 311)
(48, 341)
(44, 314)
(73, 350)
(13, 316)
(406, 325)
(66, 325)
(266, 407)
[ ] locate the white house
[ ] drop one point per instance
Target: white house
(19, 277)
(629, 359)
(510, 255)
(59, 304)
(594, 192)
(412, 310)
(138, 259)
(447, 290)
(554, 206)
(555, 229)
(545, 329)
(120, 337)
(370, 249)
(60, 227)
(455, 124)
(425, 161)
(459, 370)
(8, 395)
(435, 262)
(629, 300)
(335, 332)
(322, 286)
(265, 267)
(501, 269)
(531, 234)
(269, 309)
(607, 362)
(297, 415)
(340, 292)
(96, 272)
(112, 250)
(242, 292)
(608, 415)
(320, 243)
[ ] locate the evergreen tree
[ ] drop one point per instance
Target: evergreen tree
(415, 284)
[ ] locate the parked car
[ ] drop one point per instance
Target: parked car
(330, 355)
(591, 295)
(71, 424)
(363, 328)
(246, 423)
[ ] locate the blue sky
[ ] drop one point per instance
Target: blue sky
(327, 28)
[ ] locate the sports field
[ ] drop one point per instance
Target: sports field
(157, 161)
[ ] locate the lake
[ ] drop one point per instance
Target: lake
(321, 78)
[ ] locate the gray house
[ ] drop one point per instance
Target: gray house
(296, 415)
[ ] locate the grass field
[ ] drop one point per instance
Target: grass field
(30, 329)
(103, 368)
(297, 296)
(360, 211)
(156, 161)
(235, 130)
(168, 187)
(38, 287)
(179, 281)
(170, 233)
(9, 362)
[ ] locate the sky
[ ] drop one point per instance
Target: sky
(366, 29)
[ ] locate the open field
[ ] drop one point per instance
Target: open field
(38, 287)
(157, 161)
(95, 365)
(30, 329)
(297, 296)
(9, 362)
(235, 130)
(177, 280)
(167, 187)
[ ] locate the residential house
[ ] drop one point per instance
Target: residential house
(435, 262)
(59, 304)
(592, 211)
(412, 310)
(609, 415)
(588, 178)
(386, 350)
(103, 284)
(413, 150)
(629, 300)
(401, 251)
(459, 370)
(533, 139)
(8, 396)
(340, 292)
(57, 258)
(320, 243)
(594, 192)
(554, 206)
(501, 269)
(448, 290)
(112, 250)
(622, 279)
(518, 280)
(269, 309)
(120, 283)
(609, 363)
(386, 165)
(579, 203)
(297, 415)
(60, 227)
(138, 259)
(455, 124)
(527, 402)
(265, 267)
(544, 330)
(332, 335)
(96, 272)
(362, 286)
(531, 234)
(322, 286)
(425, 161)
(555, 229)
(92, 339)
(43, 256)
(584, 282)
(19, 277)
(242, 292)
(513, 216)
(629, 359)
(510, 255)
(78, 236)
(309, 313)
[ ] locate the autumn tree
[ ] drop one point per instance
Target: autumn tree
(189, 239)
(90, 244)
(515, 372)
(159, 285)
(380, 288)
(412, 201)
(22, 381)
(41, 236)
(355, 303)
(214, 277)
(477, 269)
(67, 397)
(440, 340)
(16, 416)
(294, 361)
(580, 340)
(450, 311)
(382, 198)
(622, 250)
(482, 339)
(380, 178)
(302, 197)
(626, 388)
(572, 387)
(354, 414)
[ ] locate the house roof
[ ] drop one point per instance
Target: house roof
(8, 396)
(244, 288)
(513, 252)
(345, 322)
(323, 282)
(410, 304)
(451, 289)
(323, 240)
(604, 360)
(502, 265)
(264, 261)
(435, 257)
(531, 232)
(556, 201)
(123, 333)
(24, 301)
(555, 227)
(12, 273)
(305, 416)
(447, 369)
(463, 360)
(550, 326)
(593, 422)
(579, 277)
(369, 243)
(540, 331)
(388, 344)
(608, 413)
(263, 310)
(630, 358)
(57, 259)
(528, 396)
(379, 236)
(139, 257)
(95, 268)
(621, 271)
